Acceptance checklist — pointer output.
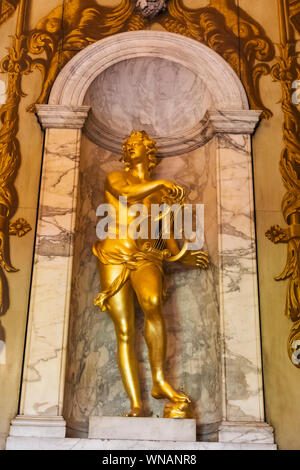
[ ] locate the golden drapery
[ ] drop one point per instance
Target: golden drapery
(130, 260)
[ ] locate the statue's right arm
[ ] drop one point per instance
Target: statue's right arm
(117, 185)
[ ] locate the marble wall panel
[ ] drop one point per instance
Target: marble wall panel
(93, 383)
(157, 95)
(49, 306)
(239, 293)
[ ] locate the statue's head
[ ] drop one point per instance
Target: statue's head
(139, 148)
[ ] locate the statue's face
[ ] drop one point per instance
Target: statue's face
(136, 151)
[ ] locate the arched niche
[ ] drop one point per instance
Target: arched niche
(219, 139)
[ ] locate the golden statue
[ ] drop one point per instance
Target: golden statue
(128, 265)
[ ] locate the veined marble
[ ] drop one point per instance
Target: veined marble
(30, 443)
(157, 95)
(240, 329)
(224, 86)
(43, 383)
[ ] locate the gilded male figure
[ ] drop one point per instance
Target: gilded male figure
(128, 266)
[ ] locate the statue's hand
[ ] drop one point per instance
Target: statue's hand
(196, 258)
(174, 191)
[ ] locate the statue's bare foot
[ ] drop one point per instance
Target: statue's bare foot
(134, 413)
(164, 390)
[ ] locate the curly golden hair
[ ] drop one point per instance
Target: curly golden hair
(150, 145)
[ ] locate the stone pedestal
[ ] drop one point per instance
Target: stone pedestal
(142, 429)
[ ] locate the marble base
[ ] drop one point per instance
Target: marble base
(142, 429)
(38, 426)
(116, 433)
(31, 443)
(258, 433)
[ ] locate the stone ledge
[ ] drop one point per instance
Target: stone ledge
(248, 432)
(62, 117)
(27, 443)
(38, 426)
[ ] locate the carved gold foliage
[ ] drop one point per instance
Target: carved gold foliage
(286, 71)
(19, 228)
(232, 33)
(240, 40)
(66, 31)
(294, 7)
(16, 64)
(7, 8)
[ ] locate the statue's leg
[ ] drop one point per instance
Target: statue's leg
(148, 285)
(121, 310)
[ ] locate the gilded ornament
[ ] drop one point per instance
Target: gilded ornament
(7, 8)
(232, 33)
(222, 26)
(20, 228)
(16, 64)
(286, 71)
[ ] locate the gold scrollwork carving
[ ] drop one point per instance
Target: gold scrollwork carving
(69, 29)
(7, 8)
(232, 33)
(286, 71)
(16, 64)
(19, 228)
(239, 39)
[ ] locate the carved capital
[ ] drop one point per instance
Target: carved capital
(62, 117)
(235, 121)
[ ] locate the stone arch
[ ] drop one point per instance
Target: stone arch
(74, 80)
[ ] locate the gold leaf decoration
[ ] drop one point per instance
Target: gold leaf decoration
(232, 33)
(238, 38)
(7, 8)
(286, 71)
(294, 6)
(84, 23)
(20, 228)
